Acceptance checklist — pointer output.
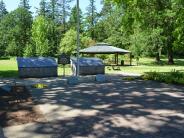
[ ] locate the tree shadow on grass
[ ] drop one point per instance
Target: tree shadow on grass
(8, 73)
(116, 109)
(4, 58)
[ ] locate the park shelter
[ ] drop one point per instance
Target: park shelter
(88, 66)
(37, 67)
(103, 48)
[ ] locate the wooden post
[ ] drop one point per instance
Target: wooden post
(130, 59)
(117, 59)
(78, 37)
(63, 70)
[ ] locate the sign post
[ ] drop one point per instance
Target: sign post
(78, 37)
(64, 59)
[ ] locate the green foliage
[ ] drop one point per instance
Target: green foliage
(65, 12)
(179, 27)
(15, 30)
(130, 78)
(43, 36)
(3, 10)
(58, 11)
(152, 22)
(73, 19)
(24, 4)
(108, 27)
(42, 10)
(147, 28)
(12, 48)
(53, 8)
(68, 42)
(91, 18)
(86, 41)
(30, 50)
(174, 76)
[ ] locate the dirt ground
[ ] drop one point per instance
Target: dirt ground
(18, 109)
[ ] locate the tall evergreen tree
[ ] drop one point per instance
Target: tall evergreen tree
(179, 27)
(73, 18)
(43, 11)
(25, 25)
(15, 31)
(65, 12)
(3, 10)
(107, 9)
(53, 8)
(91, 17)
(24, 4)
(108, 26)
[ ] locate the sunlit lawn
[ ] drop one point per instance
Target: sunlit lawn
(148, 64)
(8, 68)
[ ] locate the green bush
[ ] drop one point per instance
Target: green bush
(174, 77)
(129, 78)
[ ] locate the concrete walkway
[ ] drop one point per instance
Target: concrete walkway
(1, 133)
(30, 130)
(119, 109)
(62, 80)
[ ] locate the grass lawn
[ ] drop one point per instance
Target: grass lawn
(8, 68)
(148, 64)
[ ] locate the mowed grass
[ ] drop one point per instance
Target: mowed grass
(149, 65)
(8, 68)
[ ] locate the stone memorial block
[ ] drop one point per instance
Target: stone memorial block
(88, 66)
(37, 67)
(73, 80)
(100, 78)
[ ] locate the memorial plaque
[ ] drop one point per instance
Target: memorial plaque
(64, 59)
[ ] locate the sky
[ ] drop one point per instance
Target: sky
(13, 4)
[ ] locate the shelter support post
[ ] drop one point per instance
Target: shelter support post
(130, 59)
(117, 59)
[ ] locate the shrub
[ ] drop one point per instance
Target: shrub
(174, 76)
(129, 78)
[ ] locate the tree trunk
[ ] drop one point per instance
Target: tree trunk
(170, 41)
(157, 57)
(170, 55)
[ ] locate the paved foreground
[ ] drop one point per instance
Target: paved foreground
(122, 109)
